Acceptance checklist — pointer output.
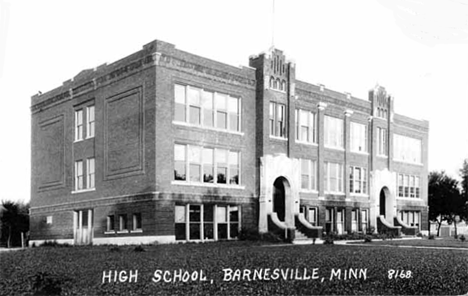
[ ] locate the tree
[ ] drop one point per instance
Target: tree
(14, 217)
(464, 185)
(445, 200)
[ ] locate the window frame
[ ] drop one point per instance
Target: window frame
(339, 177)
(334, 132)
(358, 137)
(79, 126)
(90, 121)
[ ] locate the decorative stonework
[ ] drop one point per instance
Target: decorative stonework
(271, 168)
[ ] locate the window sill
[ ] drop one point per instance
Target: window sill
(359, 194)
(79, 140)
(122, 231)
(278, 138)
(360, 152)
(407, 162)
(334, 193)
(89, 137)
(335, 148)
(137, 231)
(308, 191)
(180, 123)
(382, 156)
(186, 183)
(109, 232)
(307, 143)
(83, 190)
(277, 90)
(410, 198)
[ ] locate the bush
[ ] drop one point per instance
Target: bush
(249, 234)
(328, 240)
(139, 249)
(44, 283)
(114, 249)
(462, 238)
(419, 234)
(368, 239)
(54, 244)
(431, 236)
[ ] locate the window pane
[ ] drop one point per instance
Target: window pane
(207, 104)
(194, 96)
(221, 214)
(179, 214)
(179, 109)
(195, 172)
(221, 101)
(221, 120)
(194, 115)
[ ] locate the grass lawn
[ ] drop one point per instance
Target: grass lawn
(446, 242)
(79, 270)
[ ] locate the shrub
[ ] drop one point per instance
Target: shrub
(462, 238)
(270, 237)
(328, 240)
(44, 283)
(249, 234)
(431, 236)
(368, 239)
(114, 249)
(139, 249)
(419, 234)
(54, 244)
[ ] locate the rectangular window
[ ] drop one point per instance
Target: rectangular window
(233, 167)
(221, 111)
(357, 180)
(312, 216)
(180, 222)
(206, 108)
(358, 137)
(400, 186)
(90, 173)
(417, 187)
(333, 132)
(180, 103)
(194, 105)
(408, 186)
(123, 222)
(411, 218)
(406, 149)
(79, 175)
(208, 166)
(340, 221)
(90, 122)
(305, 126)
(49, 220)
(110, 223)
(180, 163)
(278, 120)
(333, 177)
(364, 221)
(194, 222)
(308, 174)
(207, 105)
(137, 221)
(382, 148)
(329, 220)
(222, 166)
(354, 220)
(78, 125)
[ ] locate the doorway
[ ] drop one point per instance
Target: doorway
(83, 227)
(279, 198)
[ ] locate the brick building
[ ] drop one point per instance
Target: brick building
(164, 145)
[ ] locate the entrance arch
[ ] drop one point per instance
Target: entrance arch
(281, 189)
(385, 203)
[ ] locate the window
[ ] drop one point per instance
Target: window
(382, 148)
(79, 175)
(90, 122)
(180, 102)
(358, 137)
(354, 220)
(180, 222)
(90, 173)
(329, 220)
(110, 223)
(357, 180)
(333, 177)
(205, 108)
(364, 220)
(123, 222)
(49, 219)
(333, 132)
(78, 125)
(308, 174)
(406, 149)
(340, 221)
(310, 213)
(410, 218)
(408, 186)
(278, 120)
(382, 113)
(305, 126)
(137, 221)
(205, 163)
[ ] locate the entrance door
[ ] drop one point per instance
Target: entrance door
(83, 227)
(279, 198)
(382, 203)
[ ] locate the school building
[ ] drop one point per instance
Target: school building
(165, 146)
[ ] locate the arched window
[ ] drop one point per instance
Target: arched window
(283, 85)
(272, 80)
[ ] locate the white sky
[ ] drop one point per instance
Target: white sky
(417, 50)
